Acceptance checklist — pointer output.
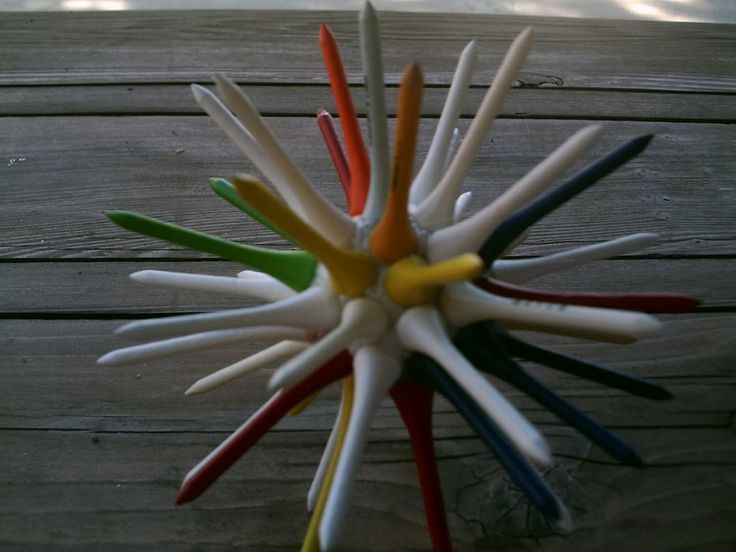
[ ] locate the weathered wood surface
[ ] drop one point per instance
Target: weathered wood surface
(96, 458)
(54, 360)
(95, 115)
(679, 188)
(103, 287)
(302, 100)
(275, 47)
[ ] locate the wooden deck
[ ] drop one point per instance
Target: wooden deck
(96, 114)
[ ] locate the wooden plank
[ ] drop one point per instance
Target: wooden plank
(659, 506)
(62, 288)
(91, 453)
(131, 483)
(181, 46)
(273, 100)
(680, 187)
(115, 490)
(56, 385)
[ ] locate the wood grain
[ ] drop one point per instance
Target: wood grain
(256, 46)
(259, 505)
(97, 460)
(274, 100)
(679, 188)
(103, 287)
(50, 366)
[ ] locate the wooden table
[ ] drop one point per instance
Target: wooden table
(97, 114)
